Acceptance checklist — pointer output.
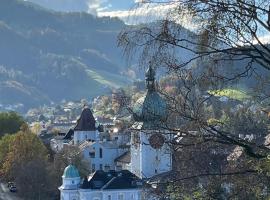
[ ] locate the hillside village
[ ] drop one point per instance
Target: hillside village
(134, 100)
(119, 159)
(122, 161)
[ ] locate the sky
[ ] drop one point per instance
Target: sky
(124, 9)
(91, 6)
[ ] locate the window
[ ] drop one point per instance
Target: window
(72, 182)
(121, 197)
(92, 154)
(100, 166)
(107, 167)
(93, 167)
(109, 197)
(100, 152)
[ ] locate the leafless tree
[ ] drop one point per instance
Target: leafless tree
(226, 46)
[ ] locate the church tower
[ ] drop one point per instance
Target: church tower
(71, 181)
(150, 152)
(85, 128)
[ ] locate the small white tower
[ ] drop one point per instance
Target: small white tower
(150, 152)
(85, 128)
(71, 182)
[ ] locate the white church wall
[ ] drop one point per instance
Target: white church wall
(90, 194)
(70, 182)
(70, 195)
(125, 194)
(80, 136)
(135, 154)
(147, 161)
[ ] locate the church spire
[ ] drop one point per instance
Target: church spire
(150, 78)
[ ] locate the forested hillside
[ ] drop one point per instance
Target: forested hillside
(47, 56)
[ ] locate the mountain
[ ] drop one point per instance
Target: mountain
(48, 56)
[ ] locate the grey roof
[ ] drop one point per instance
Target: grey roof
(123, 179)
(86, 122)
(105, 144)
(163, 177)
(124, 158)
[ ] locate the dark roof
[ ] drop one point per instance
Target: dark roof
(124, 158)
(69, 134)
(163, 177)
(112, 179)
(86, 122)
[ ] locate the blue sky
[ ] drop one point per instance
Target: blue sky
(119, 4)
(92, 6)
(124, 9)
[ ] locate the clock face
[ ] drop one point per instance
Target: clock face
(156, 140)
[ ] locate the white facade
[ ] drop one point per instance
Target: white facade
(147, 161)
(70, 190)
(80, 136)
(85, 194)
(125, 194)
(101, 154)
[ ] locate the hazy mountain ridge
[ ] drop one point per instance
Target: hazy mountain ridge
(48, 56)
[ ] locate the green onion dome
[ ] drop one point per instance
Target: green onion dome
(151, 107)
(71, 172)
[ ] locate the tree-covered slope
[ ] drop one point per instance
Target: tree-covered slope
(48, 56)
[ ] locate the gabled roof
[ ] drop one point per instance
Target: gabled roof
(105, 144)
(86, 122)
(123, 179)
(69, 134)
(124, 158)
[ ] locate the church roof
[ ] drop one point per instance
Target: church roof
(123, 179)
(150, 107)
(86, 122)
(71, 172)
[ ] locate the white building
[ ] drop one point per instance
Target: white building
(150, 152)
(111, 185)
(101, 154)
(149, 155)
